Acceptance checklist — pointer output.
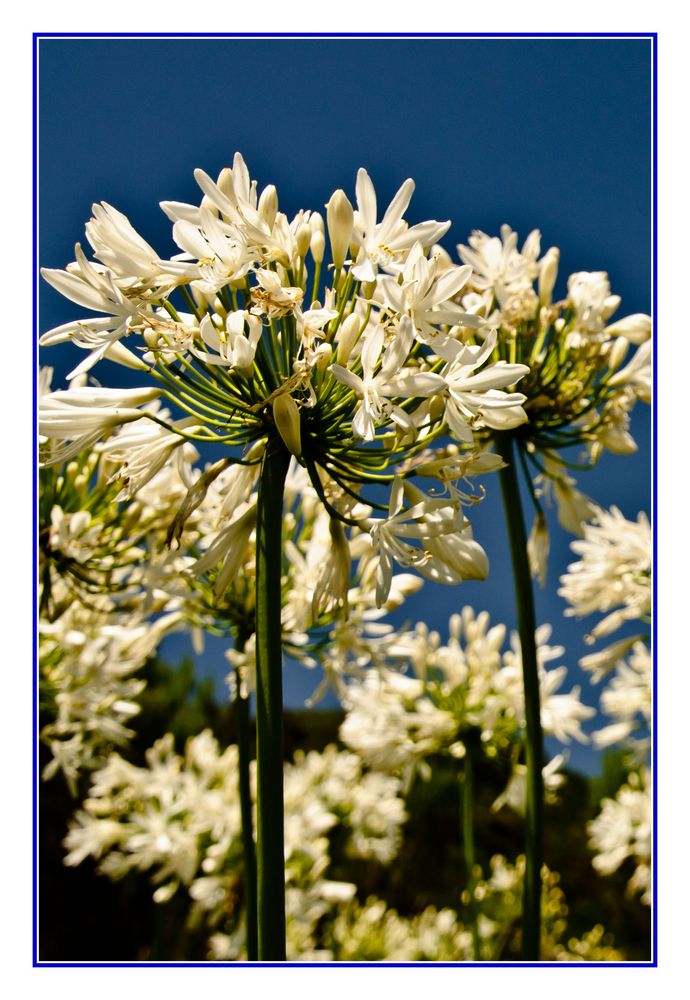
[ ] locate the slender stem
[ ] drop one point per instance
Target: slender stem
(316, 282)
(269, 704)
(468, 842)
(248, 850)
(534, 749)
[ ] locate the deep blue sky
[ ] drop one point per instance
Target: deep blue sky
(545, 133)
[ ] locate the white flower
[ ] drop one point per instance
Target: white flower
(601, 662)
(229, 547)
(561, 714)
(498, 265)
(232, 347)
(129, 258)
(589, 294)
(214, 253)
(423, 522)
(425, 296)
(637, 373)
(74, 534)
(628, 698)
(478, 396)
(515, 793)
(83, 414)
(391, 724)
(143, 449)
(273, 298)
(89, 657)
(636, 328)
(384, 244)
(613, 573)
(391, 379)
(266, 233)
(94, 288)
(456, 555)
(574, 508)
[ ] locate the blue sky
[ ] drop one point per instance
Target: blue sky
(546, 133)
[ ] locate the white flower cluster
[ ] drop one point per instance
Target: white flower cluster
(245, 345)
(89, 659)
(179, 818)
(582, 385)
(623, 829)
(108, 593)
(396, 721)
(613, 576)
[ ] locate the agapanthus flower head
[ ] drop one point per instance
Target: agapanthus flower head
(579, 389)
(613, 573)
(178, 818)
(466, 689)
(245, 338)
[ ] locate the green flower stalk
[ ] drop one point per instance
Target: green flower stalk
(241, 706)
(269, 703)
(534, 744)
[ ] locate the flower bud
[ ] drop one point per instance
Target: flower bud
(324, 356)
(636, 328)
(316, 222)
(368, 289)
(347, 337)
(538, 548)
(123, 356)
(548, 270)
(334, 580)
(574, 508)
(318, 246)
(268, 205)
(611, 303)
(437, 405)
(619, 348)
(287, 421)
(340, 220)
(227, 185)
(303, 240)
(199, 298)
(150, 338)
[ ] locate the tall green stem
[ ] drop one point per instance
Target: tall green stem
(468, 841)
(534, 751)
(248, 850)
(269, 704)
